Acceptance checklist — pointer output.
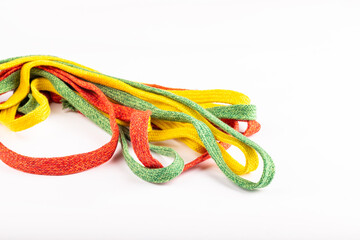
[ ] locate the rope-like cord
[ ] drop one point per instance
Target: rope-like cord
(205, 120)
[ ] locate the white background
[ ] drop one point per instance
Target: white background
(297, 60)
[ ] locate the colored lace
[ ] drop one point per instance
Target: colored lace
(206, 121)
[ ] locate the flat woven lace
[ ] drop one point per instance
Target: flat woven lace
(204, 120)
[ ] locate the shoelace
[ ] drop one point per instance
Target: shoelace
(205, 120)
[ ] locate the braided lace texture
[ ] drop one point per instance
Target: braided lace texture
(205, 120)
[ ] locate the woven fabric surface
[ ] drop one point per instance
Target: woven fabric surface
(205, 120)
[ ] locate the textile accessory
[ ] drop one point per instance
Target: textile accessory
(140, 113)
